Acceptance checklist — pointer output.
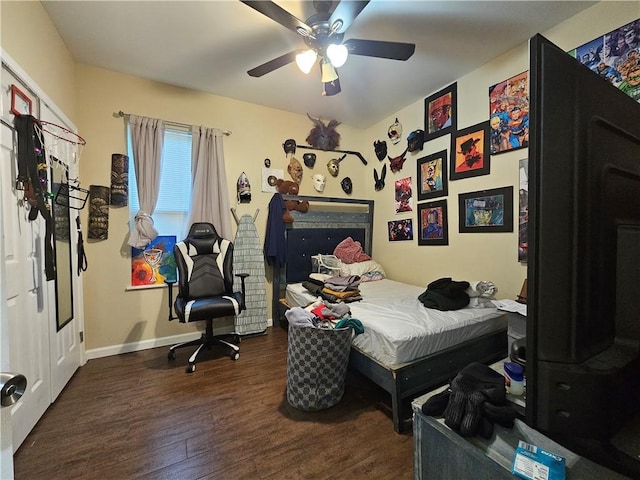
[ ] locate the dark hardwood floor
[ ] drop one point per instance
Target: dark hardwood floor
(140, 416)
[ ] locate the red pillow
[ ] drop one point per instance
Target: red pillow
(350, 251)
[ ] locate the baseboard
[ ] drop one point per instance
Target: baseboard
(145, 344)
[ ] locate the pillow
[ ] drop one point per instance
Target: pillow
(320, 276)
(360, 268)
(350, 251)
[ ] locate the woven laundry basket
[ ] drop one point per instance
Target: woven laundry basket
(317, 362)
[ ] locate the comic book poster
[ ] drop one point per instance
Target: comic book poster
(509, 114)
(615, 57)
(403, 195)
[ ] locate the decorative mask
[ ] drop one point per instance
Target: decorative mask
(379, 185)
(319, 182)
(267, 162)
(347, 185)
(309, 159)
(380, 147)
(397, 163)
(244, 189)
(295, 170)
(395, 132)
(289, 146)
(334, 165)
(415, 140)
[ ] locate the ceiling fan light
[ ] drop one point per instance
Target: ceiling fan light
(305, 60)
(337, 54)
(329, 73)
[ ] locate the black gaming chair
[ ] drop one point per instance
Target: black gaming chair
(205, 288)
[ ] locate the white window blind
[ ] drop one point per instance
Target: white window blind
(172, 209)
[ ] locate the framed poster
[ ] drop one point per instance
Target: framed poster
(470, 152)
(440, 113)
(155, 263)
(432, 176)
(509, 114)
(432, 219)
(486, 211)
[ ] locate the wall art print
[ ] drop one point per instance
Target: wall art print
(441, 112)
(400, 230)
(403, 195)
(523, 211)
(509, 114)
(470, 155)
(155, 263)
(615, 57)
(433, 223)
(432, 176)
(486, 211)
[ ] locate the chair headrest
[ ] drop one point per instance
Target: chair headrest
(202, 230)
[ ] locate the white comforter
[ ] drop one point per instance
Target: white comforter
(399, 329)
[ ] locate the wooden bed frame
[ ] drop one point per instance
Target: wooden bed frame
(327, 223)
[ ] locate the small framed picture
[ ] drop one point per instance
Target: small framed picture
(470, 155)
(432, 176)
(432, 219)
(400, 230)
(440, 113)
(486, 211)
(509, 114)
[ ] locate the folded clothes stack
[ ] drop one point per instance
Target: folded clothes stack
(336, 289)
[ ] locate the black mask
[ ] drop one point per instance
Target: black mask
(309, 159)
(289, 146)
(380, 147)
(347, 186)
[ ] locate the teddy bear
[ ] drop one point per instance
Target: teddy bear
(287, 187)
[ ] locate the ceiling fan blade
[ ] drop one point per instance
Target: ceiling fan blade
(347, 12)
(274, 64)
(280, 15)
(380, 49)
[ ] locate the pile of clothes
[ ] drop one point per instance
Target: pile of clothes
(335, 289)
(321, 315)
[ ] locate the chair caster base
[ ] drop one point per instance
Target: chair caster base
(235, 356)
(190, 368)
(171, 355)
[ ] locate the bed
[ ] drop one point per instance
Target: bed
(398, 354)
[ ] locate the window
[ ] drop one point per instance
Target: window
(172, 210)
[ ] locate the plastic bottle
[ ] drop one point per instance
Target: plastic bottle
(514, 378)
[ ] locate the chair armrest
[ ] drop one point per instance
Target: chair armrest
(170, 296)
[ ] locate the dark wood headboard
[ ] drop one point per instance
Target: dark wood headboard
(320, 230)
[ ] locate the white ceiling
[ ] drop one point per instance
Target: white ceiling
(209, 46)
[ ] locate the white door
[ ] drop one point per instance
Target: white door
(46, 355)
(6, 441)
(65, 345)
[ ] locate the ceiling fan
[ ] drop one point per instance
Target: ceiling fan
(323, 33)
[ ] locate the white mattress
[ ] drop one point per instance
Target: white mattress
(398, 328)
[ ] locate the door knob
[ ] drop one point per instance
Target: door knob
(13, 386)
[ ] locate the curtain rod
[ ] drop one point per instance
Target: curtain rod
(124, 114)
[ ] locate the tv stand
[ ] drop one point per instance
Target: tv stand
(441, 453)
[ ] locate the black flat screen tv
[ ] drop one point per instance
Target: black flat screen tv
(583, 271)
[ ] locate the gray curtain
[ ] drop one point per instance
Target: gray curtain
(147, 138)
(209, 194)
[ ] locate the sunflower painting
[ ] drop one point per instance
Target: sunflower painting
(154, 264)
